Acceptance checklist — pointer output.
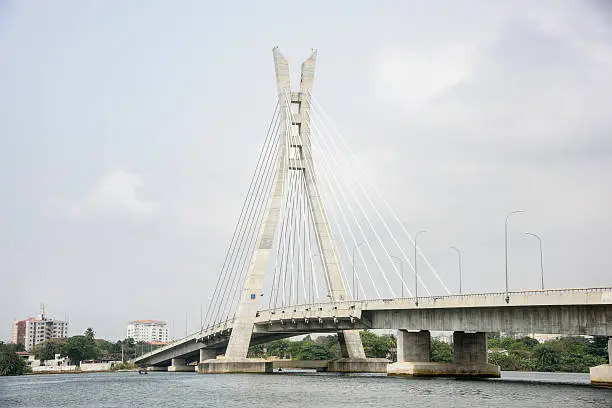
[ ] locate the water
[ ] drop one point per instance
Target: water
(298, 390)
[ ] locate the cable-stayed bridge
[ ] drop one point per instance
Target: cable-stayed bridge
(317, 248)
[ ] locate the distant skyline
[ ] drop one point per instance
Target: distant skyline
(129, 131)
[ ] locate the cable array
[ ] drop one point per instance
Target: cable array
(242, 243)
(356, 217)
(372, 219)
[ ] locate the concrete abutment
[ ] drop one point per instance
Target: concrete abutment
(469, 356)
(178, 365)
(601, 375)
(157, 368)
(358, 365)
(235, 365)
(207, 354)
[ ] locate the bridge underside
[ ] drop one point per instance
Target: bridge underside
(190, 351)
(568, 320)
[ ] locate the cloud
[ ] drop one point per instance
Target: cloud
(116, 194)
(531, 94)
(409, 78)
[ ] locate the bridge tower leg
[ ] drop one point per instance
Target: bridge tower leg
(601, 375)
(300, 159)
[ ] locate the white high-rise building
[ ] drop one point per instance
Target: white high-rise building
(33, 331)
(148, 331)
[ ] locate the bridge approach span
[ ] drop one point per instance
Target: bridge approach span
(564, 311)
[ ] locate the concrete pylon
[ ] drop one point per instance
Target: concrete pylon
(300, 158)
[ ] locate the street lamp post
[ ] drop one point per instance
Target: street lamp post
(541, 256)
(416, 273)
(459, 255)
(506, 248)
(401, 270)
(355, 296)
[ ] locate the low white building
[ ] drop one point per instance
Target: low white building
(148, 331)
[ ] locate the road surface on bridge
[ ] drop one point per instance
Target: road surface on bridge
(563, 311)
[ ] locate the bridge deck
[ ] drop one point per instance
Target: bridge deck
(562, 311)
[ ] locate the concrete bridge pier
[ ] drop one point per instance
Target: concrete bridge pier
(178, 365)
(469, 356)
(157, 368)
(209, 364)
(207, 354)
(602, 374)
(235, 365)
(353, 358)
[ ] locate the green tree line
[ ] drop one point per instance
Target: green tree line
(327, 348)
(86, 347)
(10, 362)
(566, 354)
(76, 348)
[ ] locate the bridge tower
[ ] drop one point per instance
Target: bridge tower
(294, 108)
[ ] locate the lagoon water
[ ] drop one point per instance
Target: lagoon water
(298, 389)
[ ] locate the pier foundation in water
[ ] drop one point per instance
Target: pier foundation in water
(469, 356)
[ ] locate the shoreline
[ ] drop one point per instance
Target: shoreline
(82, 372)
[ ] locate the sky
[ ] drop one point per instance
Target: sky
(129, 132)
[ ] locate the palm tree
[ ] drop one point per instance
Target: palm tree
(89, 333)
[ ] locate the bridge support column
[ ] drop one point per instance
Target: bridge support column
(413, 346)
(353, 358)
(469, 356)
(602, 374)
(178, 365)
(413, 350)
(207, 354)
(350, 344)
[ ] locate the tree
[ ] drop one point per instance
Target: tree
(376, 346)
(256, 351)
(506, 362)
(79, 348)
(10, 362)
(141, 347)
(278, 348)
(441, 351)
(330, 343)
(597, 346)
(108, 350)
(321, 348)
(89, 333)
(129, 348)
(528, 342)
(546, 357)
(313, 351)
(48, 349)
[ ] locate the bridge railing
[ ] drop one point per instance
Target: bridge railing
(209, 330)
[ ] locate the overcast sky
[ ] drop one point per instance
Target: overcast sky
(129, 131)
